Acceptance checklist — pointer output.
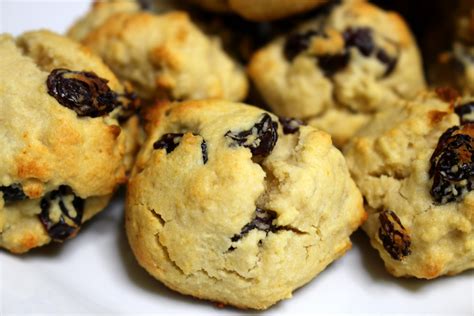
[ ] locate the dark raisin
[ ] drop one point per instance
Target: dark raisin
(298, 42)
(61, 213)
(204, 151)
(290, 125)
(13, 192)
(168, 141)
(465, 112)
(330, 64)
(262, 221)
(452, 166)
(394, 237)
(83, 92)
(260, 139)
(389, 61)
(361, 38)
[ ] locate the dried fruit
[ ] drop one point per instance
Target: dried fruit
(394, 236)
(290, 125)
(452, 166)
(61, 213)
(204, 151)
(389, 61)
(361, 38)
(13, 192)
(330, 64)
(260, 139)
(465, 112)
(262, 221)
(83, 92)
(168, 141)
(298, 42)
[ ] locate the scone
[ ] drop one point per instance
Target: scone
(67, 138)
(261, 10)
(228, 204)
(414, 166)
(339, 69)
(161, 55)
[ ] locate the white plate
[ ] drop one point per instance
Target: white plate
(96, 273)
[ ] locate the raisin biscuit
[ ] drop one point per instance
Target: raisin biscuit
(64, 149)
(261, 10)
(338, 69)
(161, 55)
(227, 204)
(414, 166)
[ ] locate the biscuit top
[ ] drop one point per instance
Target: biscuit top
(414, 166)
(167, 56)
(49, 139)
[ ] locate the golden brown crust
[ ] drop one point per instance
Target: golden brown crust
(318, 74)
(184, 211)
(166, 56)
(390, 160)
(47, 145)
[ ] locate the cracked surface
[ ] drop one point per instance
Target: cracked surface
(390, 162)
(182, 215)
(163, 55)
(351, 62)
(45, 144)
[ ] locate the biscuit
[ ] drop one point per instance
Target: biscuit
(414, 165)
(160, 55)
(67, 138)
(228, 204)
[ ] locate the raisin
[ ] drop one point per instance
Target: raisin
(330, 64)
(389, 61)
(290, 125)
(465, 112)
(61, 213)
(83, 92)
(361, 38)
(260, 139)
(298, 42)
(262, 221)
(168, 141)
(204, 151)
(394, 237)
(13, 192)
(452, 166)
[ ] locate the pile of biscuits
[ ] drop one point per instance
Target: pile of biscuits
(235, 203)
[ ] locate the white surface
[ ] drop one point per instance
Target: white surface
(96, 273)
